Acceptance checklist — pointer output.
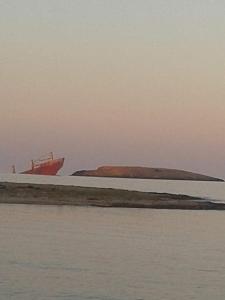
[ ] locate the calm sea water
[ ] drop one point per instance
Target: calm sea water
(50, 252)
(65, 253)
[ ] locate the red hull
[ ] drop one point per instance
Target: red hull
(50, 167)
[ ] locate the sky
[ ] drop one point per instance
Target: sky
(122, 82)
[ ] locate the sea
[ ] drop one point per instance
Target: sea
(90, 253)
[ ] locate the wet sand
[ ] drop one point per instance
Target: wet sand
(44, 194)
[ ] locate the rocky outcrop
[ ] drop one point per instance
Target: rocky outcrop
(44, 194)
(144, 173)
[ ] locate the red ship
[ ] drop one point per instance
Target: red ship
(44, 166)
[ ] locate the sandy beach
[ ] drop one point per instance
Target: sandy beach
(44, 194)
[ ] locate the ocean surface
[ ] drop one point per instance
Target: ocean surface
(77, 253)
(87, 253)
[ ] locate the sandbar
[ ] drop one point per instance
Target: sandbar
(45, 194)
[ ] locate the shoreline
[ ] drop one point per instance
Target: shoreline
(46, 194)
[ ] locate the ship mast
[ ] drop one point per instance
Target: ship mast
(13, 169)
(51, 155)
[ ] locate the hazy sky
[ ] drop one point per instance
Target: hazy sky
(132, 82)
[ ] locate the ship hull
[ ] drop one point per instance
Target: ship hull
(50, 167)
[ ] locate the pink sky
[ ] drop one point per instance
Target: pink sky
(102, 84)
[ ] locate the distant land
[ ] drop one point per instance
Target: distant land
(145, 173)
(45, 194)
